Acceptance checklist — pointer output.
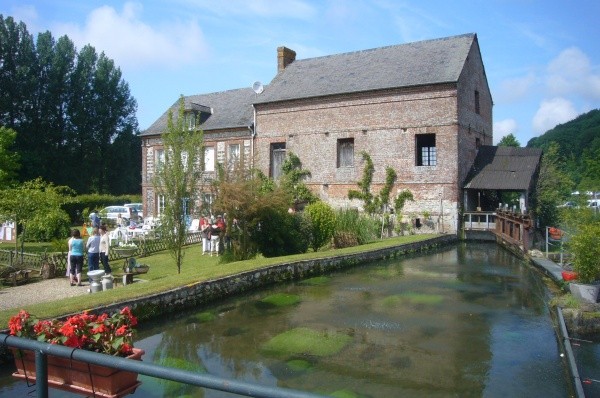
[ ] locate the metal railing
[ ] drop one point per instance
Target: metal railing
(42, 350)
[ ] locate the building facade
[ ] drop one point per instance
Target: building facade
(421, 108)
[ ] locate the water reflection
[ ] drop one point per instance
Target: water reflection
(469, 320)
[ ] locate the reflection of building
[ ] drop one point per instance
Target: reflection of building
(420, 108)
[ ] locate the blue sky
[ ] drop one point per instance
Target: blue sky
(542, 58)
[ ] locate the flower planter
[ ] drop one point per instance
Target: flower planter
(569, 276)
(125, 252)
(79, 377)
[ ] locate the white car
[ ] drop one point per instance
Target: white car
(138, 209)
(112, 213)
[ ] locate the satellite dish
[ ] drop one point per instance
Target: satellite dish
(257, 87)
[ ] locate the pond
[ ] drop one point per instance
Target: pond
(467, 320)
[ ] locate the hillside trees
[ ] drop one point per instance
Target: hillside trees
(68, 108)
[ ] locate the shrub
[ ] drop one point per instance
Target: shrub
(352, 223)
(322, 220)
(585, 247)
(279, 233)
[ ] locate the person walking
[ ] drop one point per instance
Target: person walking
(104, 249)
(76, 258)
(93, 250)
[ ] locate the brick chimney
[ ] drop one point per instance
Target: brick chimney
(285, 56)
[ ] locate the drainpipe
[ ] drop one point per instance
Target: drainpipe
(253, 135)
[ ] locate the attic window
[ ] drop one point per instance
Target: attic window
(426, 150)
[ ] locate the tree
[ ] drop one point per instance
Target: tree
(9, 160)
(364, 184)
(292, 181)
(68, 108)
(32, 202)
(509, 140)
(175, 179)
(553, 186)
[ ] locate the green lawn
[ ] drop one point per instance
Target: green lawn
(196, 268)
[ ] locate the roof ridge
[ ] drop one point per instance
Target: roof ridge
(368, 50)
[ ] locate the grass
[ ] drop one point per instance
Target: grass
(195, 269)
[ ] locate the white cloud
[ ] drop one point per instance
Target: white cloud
(552, 112)
(132, 43)
(571, 74)
(504, 128)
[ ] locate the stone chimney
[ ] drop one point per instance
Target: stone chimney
(285, 56)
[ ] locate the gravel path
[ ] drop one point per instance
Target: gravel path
(39, 292)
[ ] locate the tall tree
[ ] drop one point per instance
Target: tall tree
(175, 179)
(70, 108)
(552, 187)
(509, 140)
(9, 160)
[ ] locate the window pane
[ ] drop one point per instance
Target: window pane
(209, 158)
(346, 153)
(277, 159)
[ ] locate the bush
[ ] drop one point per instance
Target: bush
(350, 221)
(279, 233)
(585, 247)
(322, 220)
(53, 225)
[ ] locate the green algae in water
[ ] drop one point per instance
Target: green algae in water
(307, 341)
(299, 365)
(344, 394)
(281, 299)
(176, 389)
(316, 281)
(202, 317)
(412, 298)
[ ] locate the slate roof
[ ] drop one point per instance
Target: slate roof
(412, 64)
(504, 168)
(230, 109)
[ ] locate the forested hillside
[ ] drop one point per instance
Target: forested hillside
(73, 115)
(578, 148)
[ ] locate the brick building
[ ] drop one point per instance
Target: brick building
(421, 108)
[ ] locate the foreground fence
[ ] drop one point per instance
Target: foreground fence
(43, 350)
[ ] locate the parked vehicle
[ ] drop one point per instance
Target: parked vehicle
(112, 213)
(138, 207)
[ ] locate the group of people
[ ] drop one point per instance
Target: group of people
(97, 247)
(211, 231)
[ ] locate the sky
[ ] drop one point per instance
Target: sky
(542, 58)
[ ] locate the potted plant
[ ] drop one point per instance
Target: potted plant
(108, 334)
(585, 248)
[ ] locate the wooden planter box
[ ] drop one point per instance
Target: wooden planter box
(79, 377)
